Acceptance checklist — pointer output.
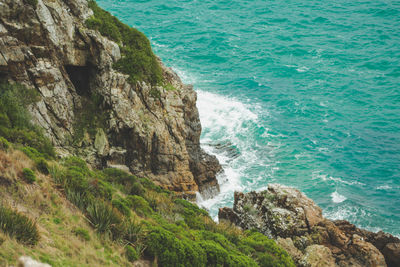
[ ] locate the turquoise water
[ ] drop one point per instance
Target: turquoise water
(302, 93)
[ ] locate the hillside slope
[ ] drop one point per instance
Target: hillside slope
(103, 94)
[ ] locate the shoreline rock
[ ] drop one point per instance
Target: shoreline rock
(296, 223)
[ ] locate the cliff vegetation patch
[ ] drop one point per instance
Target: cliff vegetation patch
(138, 60)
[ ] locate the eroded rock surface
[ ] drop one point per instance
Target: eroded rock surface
(296, 222)
(49, 49)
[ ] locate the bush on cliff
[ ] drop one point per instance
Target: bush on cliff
(19, 226)
(15, 120)
(138, 60)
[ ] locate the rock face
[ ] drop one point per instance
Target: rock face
(287, 215)
(49, 49)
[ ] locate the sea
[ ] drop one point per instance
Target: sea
(300, 93)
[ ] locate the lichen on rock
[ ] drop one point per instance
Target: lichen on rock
(296, 222)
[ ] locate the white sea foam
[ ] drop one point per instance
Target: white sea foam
(302, 69)
(337, 198)
(223, 121)
(384, 187)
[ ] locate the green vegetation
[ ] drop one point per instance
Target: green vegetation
(82, 233)
(15, 121)
(29, 175)
(19, 226)
(131, 254)
(4, 144)
(122, 217)
(39, 159)
(138, 60)
(89, 118)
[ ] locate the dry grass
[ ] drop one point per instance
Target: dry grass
(56, 219)
(11, 165)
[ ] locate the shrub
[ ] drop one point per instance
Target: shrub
(137, 189)
(19, 226)
(140, 205)
(194, 216)
(121, 206)
(15, 120)
(101, 189)
(138, 60)
(4, 144)
(133, 232)
(39, 159)
(82, 233)
(104, 218)
(29, 175)
(79, 199)
(265, 250)
(216, 255)
(131, 254)
(171, 251)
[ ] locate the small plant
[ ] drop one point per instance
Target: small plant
(19, 226)
(4, 144)
(104, 218)
(57, 220)
(140, 205)
(131, 254)
(82, 233)
(133, 232)
(137, 189)
(29, 175)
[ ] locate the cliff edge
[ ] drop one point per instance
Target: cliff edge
(88, 108)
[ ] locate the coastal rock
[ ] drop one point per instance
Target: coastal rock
(296, 222)
(49, 49)
(317, 256)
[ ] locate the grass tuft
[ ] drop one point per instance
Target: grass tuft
(19, 226)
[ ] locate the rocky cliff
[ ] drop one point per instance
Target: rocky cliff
(288, 216)
(88, 108)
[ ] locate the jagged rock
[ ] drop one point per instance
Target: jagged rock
(287, 215)
(26, 261)
(294, 252)
(387, 244)
(49, 49)
(317, 256)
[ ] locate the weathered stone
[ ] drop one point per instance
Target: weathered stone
(297, 223)
(49, 48)
(288, 245)
(317, 256)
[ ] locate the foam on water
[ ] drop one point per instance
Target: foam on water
(337, 198)
(222, 120)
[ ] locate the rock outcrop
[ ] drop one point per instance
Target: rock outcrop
(48, 48)
(288, 216)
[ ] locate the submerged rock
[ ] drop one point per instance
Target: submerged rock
(296, 222)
